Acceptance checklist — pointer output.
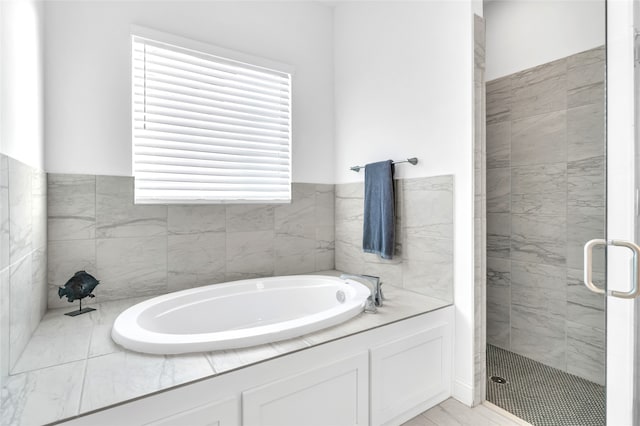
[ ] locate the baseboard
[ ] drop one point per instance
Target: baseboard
(463, 392)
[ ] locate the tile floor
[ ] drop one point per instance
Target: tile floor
(542, 395)
(454, 413)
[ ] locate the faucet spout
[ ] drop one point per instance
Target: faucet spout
(374, 284)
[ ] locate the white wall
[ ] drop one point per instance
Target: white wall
(88, 127)
(21, 81)
(403, 88)
(523, 34)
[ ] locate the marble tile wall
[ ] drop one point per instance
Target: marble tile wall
(423, 258)
(23, 231)
(545, 199)
(144, 250)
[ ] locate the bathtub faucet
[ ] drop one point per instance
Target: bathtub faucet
(374, 285)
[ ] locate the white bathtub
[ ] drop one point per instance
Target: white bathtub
(238, 314)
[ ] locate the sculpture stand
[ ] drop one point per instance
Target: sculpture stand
(80, 311)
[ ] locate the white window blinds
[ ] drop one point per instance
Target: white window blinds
(208, 129)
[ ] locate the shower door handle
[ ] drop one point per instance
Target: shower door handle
(588, 263)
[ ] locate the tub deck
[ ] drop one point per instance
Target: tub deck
(71, 366)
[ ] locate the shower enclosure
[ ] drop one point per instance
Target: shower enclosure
(548, 167)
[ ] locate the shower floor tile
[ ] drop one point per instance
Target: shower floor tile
(542, 395)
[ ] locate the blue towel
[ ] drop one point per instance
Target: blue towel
(378, 234)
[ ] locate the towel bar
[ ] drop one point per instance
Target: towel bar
(412, 160)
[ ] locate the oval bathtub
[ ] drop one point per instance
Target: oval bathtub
(238, 314)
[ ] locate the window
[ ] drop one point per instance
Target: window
(208, 127)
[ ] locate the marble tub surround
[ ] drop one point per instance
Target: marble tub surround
(91, 372)
(423, 258)
(545, 199)
(144, 250)
(23, 248)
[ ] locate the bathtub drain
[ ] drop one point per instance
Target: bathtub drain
(340, 296)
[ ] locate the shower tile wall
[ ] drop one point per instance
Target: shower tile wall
(140, 250)
(423, 258)
(545, 199)
(23, 230)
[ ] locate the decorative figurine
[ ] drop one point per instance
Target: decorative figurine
(78, 287)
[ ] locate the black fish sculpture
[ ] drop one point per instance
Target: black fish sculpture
(78, 287)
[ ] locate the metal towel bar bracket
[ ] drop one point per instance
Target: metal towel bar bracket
(412, 160)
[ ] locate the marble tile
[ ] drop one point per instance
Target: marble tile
(117, 216)
(46, 349)
(238, 276)
(580, 229)
(498, 272)
(65, 258)
(20, 210)
(43, 396)
(499, 100)
(540, 73)
(539, 239)
(539, 178)
(298, 218)
(538, 286)
(250, 217)
(499, 190)
(20, 326)
(498, 235)
(71, 206)
(126, 375)
(38, 209)
(195, 219)
(589, 57)
(428, 267)
(579, 294)
(498, 144)
(539, 90)
(585, 77)
(294, 254)
(350, 190)
(586, 352)
(539, 139)
(251, 252)
(349, 257)
(389, 273)
(5, 318)
(231, 359)
(538, 335)
(4, 211)
(325, 248)
(586, 187)
(131, 267)
(39, 286)
(195, 260)
(585, 315)
(101, 341)
(349, 210)
(325, 205)
(589, 93)
(585, 132)
(583, 306)
(428, 205)
(545, 203)
(498, 302)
